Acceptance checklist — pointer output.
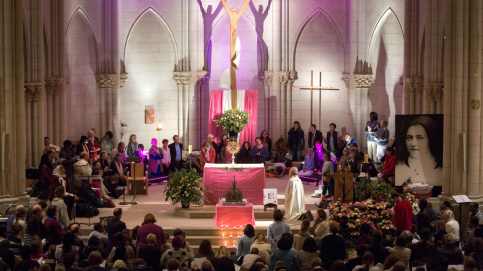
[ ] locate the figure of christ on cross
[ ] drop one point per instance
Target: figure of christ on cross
(234, 16)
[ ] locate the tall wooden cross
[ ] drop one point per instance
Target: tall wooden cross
(311, 87)
(234, 16)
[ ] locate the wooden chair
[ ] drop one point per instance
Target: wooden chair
(140, 180)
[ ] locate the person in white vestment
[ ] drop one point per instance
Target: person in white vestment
(294, 196)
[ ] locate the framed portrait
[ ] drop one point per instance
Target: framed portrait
(419, 149)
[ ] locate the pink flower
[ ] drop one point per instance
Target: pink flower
(233, 128)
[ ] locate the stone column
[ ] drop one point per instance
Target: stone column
(183, 80)
(201, 95)
(270, 105)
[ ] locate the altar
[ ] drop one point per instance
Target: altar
(250, 179)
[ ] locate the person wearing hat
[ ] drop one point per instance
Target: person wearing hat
(177, 252)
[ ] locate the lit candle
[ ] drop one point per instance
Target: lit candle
(366, 158)
(231, 236)
(190, 148)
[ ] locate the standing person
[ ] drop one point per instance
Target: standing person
(46, 170)
(208, 154)
(176, 151)
(294, 196)
(93, 145)
(259, 153)
(308, 166)
(424, 217)
(225, 156)
(220, 146)
(211, 138)
(475, 212)
(372, 126)
(267, 142)
(314, 136)
(403, 214)
(296, 141)
(113, 226)
(382, 140)
(243, 156)
(106, 143)
(132, 146)
(155, 156)
(277, 228)
(166, 161)
(148, 227)
(333, 246)
(331, 140)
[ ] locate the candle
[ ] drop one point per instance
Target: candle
(190, 148)
(366, 158)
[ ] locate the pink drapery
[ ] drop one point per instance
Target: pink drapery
(234, 216)
(216, 108)
(251, 105)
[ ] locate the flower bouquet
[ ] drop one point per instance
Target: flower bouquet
(186, 187)
(233, 120)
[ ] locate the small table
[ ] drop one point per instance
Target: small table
(234, 216)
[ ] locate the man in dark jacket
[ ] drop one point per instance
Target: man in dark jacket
(114, 226)
(314, 136)
(176, 151)
(424, 217)
(333, 246)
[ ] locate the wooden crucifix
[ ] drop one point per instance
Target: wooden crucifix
(234, 16)
(311, 87)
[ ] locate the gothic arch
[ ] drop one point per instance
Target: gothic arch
(217, 23)
(382, 19)
(163, 20)
(301, 28)
(80, 12)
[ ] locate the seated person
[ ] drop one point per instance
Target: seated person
(280, 151)
(319, 156)
(389, 167)
(328, 166)
(117, 169)
(349, 140)
(328, 185)
(308, 167)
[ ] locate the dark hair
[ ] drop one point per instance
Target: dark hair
(25, 252)
(287, 235)
(313, 125)
(258, 138)
(367, 256)
(391, 149)
(164, 140)
(67, 143)
(374, 115)
(335, 126)
(46, 138)
(249, 231)
(425, 235)
(120, 254)
(59, 191)
(432, 132)
(135, 232)
(3, 230)
(172, 264)
(68, 241)
(177, 232)
(94, 258)
(51, 211)
(175, 136)
(305, 225)
(401, 241)
(469, 263)
(117, 212)
(109, 134)
(309, 245)
(93, 241)
(423, 203)
(377, 236)
(297, 122)
(205, 248)
(395, 195)
(119, 239)
(338, 265)
(365, 228)
(448, 204)
(284, 243)
(98, 227)
(361, 249)
(249, 146)
(277, 215)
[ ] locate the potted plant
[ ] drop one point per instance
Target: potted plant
(233, 120)
(185, 186)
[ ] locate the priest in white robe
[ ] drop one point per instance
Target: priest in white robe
(294, 196)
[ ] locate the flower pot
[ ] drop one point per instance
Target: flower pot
(233, 134)
(185, 205)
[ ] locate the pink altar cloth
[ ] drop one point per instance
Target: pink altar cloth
(234, 216)
(218, 179)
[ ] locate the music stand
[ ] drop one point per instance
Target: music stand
(133, 160)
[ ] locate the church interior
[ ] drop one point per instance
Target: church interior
(149, 68)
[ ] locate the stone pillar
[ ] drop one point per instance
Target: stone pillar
(270, 105)
(183, 80)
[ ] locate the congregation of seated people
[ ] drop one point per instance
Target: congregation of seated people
(432, 244)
